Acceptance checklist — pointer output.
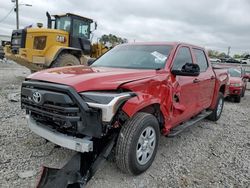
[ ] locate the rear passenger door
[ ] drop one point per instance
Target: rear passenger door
(206, 79)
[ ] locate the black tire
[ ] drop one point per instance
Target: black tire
(237, 98)
(215, 115)
(128, 142)
(65, 59)
(243, 92)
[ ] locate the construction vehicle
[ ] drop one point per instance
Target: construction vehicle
(66, 41)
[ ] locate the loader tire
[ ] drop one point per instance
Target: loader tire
(66, 59)
(137, 143)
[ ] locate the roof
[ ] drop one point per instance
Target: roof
(74, 15)
(164, 43)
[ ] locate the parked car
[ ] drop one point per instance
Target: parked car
(132, 93)
(215, 60)
(245, 61)
(232, 60)
(237, 83)
(1, 52)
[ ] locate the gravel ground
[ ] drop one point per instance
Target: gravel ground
(206, 155)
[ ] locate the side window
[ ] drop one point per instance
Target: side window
(201, 59)
(183, 56)
(80, 28)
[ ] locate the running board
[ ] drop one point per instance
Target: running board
(177, 130)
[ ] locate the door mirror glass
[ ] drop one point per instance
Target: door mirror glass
(188, 69)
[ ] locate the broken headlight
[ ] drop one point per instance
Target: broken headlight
(108, 102)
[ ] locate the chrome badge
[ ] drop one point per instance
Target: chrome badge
(37, 97)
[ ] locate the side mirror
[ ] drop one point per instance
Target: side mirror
(189, 69)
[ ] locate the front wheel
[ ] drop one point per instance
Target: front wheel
(137, 143)
(218, 109)
(66, 59)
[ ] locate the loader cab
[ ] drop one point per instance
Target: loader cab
(78, 28)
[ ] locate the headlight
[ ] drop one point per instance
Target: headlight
(236, 84)
(39, 43)
(108, 102)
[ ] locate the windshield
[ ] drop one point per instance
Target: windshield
(135, 57)
(63, 23)
(234, 72)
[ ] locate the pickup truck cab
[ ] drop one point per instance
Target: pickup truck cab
(135, 91)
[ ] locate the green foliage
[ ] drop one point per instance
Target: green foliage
(112, 39)
(217, 54)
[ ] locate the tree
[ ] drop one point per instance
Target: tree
(213, 53)
(236, 56)
(112, 40)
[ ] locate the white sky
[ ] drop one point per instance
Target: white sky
(209, 23)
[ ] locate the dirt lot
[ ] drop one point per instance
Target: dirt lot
(207, 155)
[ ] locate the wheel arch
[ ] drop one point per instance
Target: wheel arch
(223, 89)
(155, 110)
(151, 107)
(54, 52)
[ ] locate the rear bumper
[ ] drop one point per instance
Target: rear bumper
(77, 144)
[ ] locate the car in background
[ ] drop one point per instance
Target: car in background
(247, 75)
(215, 60)
(237, 83)
(232, 60)
(245, 61)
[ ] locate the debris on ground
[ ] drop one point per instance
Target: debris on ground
(14, 97)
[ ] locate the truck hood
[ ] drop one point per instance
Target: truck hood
(84, 78)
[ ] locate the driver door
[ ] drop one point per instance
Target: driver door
(79, 36)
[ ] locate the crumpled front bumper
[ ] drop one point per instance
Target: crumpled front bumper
(77, 144)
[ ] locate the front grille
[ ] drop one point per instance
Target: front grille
(56, 110)
(61, 108)
(18, 38)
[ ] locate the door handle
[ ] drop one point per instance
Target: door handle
(196, 80)
(212, 77)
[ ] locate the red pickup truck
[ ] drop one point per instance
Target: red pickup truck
(134, 91)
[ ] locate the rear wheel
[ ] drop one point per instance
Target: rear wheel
(137, 143)
(218, 109)
(65, 59)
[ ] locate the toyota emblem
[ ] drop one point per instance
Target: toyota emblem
(37, 97)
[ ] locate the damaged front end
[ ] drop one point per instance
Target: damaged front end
(82, 122)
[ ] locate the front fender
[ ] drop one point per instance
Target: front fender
(139, 102)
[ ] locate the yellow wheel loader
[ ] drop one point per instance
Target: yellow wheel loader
(65, 42)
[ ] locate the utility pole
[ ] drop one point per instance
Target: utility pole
(17, 11)
(17, 15)
(228, 50)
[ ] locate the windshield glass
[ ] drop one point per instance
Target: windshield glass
(135, 57)
(63, 23)
(234, 72)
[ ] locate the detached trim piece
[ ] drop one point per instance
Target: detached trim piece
(77, 144)
(109, 110)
